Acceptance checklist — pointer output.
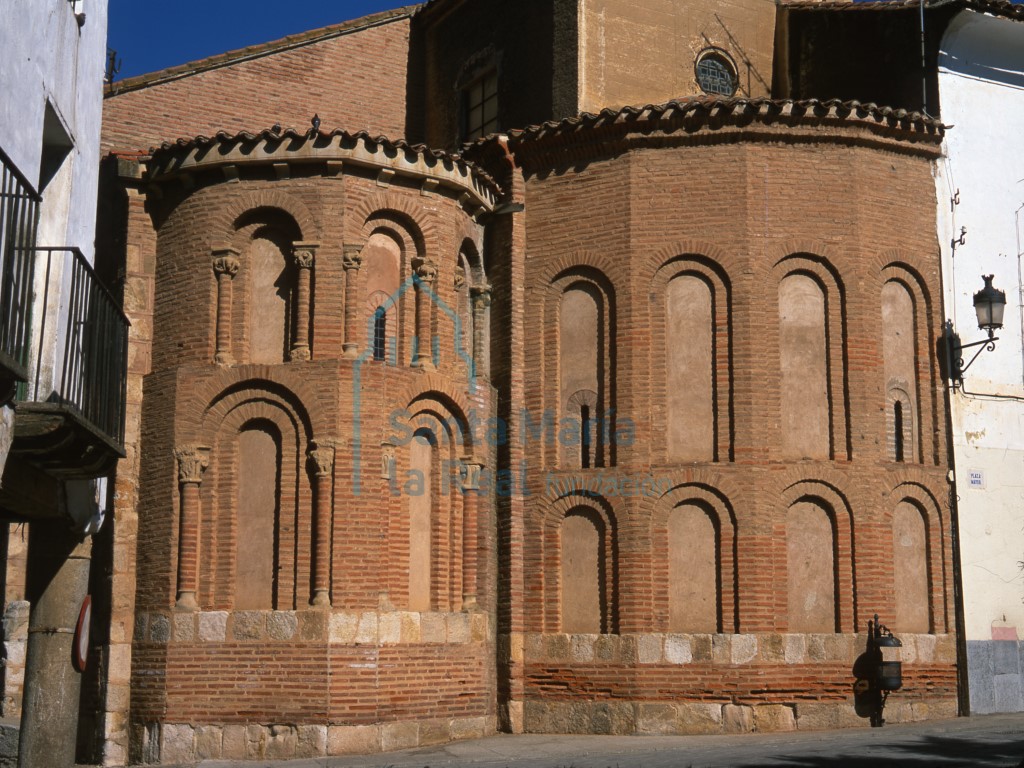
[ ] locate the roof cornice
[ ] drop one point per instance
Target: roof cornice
(233, 153)
(704, 120)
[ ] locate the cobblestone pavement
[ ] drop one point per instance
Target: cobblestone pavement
(976, 742)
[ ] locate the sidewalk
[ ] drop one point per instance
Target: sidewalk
(976, 742)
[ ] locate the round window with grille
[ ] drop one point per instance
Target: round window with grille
(716, 72)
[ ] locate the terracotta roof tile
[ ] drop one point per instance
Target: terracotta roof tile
(262, 49)
(290, 134)
(811, 109)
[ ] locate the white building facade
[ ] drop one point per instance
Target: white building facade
(980, 193)
(63, 346)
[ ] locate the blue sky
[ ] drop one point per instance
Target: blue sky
(150, 35)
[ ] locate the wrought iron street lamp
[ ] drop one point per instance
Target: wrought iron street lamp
(989, 304)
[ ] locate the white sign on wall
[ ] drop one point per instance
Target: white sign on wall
(976, 479)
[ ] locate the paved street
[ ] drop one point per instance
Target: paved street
(993, 740)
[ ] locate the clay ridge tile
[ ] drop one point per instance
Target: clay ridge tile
(291, 134)
(738, 108)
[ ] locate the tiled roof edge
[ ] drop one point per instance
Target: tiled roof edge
(269, 134)
(734, 107)
(261, 49)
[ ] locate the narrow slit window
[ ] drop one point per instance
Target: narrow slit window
(897, 421)
(380, 331)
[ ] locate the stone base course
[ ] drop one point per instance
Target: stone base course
(181, 742)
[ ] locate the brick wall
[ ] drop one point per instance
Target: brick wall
(284, 85)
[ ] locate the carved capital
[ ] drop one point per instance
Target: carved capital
(321, 454)
(352, 256)
(304, 254)
(192, 462)
(225, 261)
(387, 461)
(480, 295)
(470, 470)
(460, 278)
(425, 270)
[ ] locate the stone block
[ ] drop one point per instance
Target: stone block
(698, 717)
(159, 628)
(470, 728)
(841, 648)
(557, 647)
(433, 628)
(744, 648)
(945, 649)
(614, 718)
(282, 625)
(185, 626)
(353, 739)
(737, 718)
(213, 626)
(313, 624)
(547, 717)
(458, 628)
(516, 717)
(343, 627)
(606, 648)
(281, 743)
(721, 649)
(255, 742)
(656, 719)
(700, 647)
(771, 648)
(533, 647)
(679, 650)
(516, 647)
(629, 653)
(311, 741)
(582, 647)
(774, 717)
(177, 743)
(367, 632)
(119, 664)
(648, 649)
(816, 647)
(403, 735)
(434, 732)
(818, 716)
(389, 628)
(209, 742)
(410, 626)
(796, 648)
(478, 627)
(925, 648)
(248, 625)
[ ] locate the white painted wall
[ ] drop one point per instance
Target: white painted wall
(981, 90)
(45, 55)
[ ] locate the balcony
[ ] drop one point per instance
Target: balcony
(19, 214)
(70, 408)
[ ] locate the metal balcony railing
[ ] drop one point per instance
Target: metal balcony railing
(19, 218)
(79, 343)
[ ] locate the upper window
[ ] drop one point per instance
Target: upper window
(716, 72)
(480, 106)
